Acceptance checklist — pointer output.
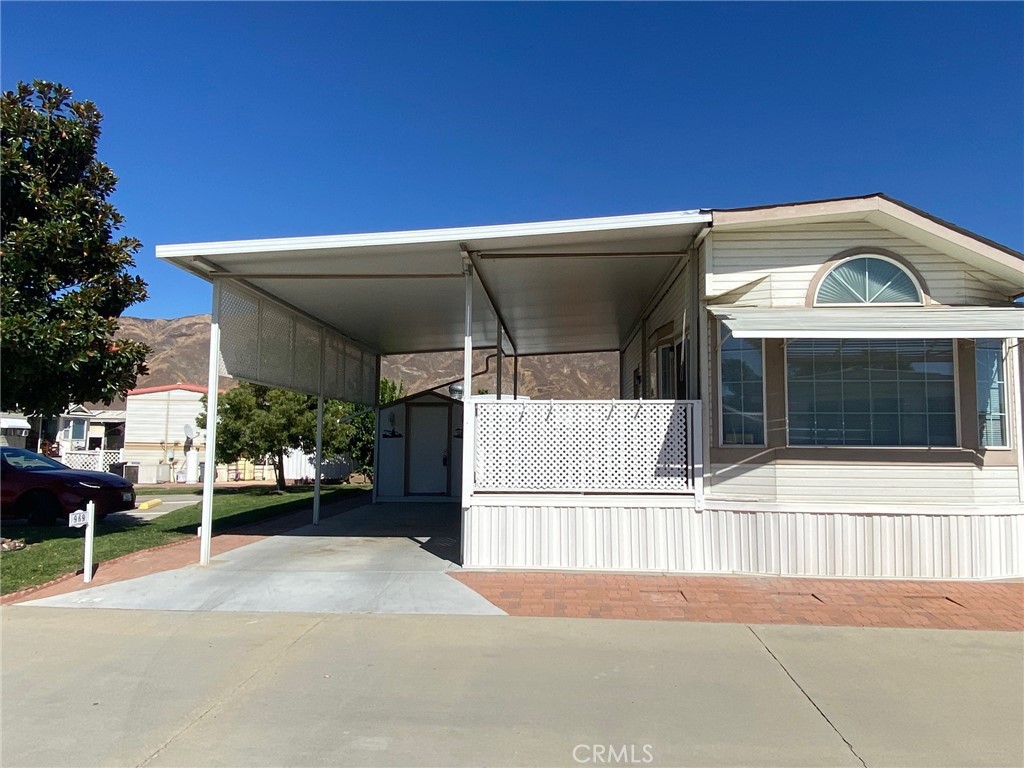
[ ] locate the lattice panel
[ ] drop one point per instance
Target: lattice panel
(239, 352)
(95, 461)
(276, 343)
(307, 357)
(334, 374)
(353, 369)
(268, 344)
(578, 446)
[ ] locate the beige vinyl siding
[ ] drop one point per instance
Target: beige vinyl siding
(755, 482)
(669, 308)
(832, 482)
(158, 417)
(632, 358)
(790, 256)
(672, 300)
(146, 453)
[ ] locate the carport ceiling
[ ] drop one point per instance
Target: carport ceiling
(560, 286)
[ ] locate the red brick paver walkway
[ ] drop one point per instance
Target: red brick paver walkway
(755, 600)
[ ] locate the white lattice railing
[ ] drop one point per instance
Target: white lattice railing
(98, 461)
(578, 446)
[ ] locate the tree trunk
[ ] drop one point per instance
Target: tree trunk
(279, 469)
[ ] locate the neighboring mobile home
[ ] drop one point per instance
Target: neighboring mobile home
(159, 420)
(824, 388)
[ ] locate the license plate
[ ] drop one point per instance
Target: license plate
(126, 496)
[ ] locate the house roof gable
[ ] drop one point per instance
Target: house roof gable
(891, 214)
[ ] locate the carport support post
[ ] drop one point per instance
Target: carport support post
(319, 433)
(468, 443)
(210, 470)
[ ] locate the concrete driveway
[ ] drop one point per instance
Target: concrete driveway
(387, 558)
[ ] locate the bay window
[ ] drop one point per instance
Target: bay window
(742, 391)
(871, 392)
(991, 378)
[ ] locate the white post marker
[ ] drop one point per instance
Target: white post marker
(86, 519)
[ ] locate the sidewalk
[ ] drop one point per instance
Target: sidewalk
(755, 600)
(191, 688)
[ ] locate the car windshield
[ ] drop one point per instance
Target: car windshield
(30, 461)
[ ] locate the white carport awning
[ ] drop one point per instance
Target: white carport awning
(872, 322)
(14, 422)
(558, 286)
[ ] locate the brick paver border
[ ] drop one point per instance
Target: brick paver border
(755, 600)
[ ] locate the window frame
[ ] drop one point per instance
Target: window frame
(958, 427)
(720, 391)
(832, 266)
(673, 375)
(1004, 359)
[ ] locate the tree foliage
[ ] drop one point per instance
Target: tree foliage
(366, 426)
(257, 423)
(65, 278)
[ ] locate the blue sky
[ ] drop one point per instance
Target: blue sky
(240, 120)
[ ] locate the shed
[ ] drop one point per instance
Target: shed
(419, 449)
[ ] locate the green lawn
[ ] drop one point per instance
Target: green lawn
(53, 551)
(166, 489)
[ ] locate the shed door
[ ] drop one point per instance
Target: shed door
(427, 445)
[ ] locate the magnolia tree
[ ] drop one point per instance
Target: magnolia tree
(65, 277)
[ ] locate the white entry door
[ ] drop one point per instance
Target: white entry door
(427, 435)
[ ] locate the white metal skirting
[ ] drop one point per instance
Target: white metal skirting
(682, 539)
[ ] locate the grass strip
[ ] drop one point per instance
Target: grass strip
(53, 551)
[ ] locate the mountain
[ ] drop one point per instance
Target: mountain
(181, 348)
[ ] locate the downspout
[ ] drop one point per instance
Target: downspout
(701, 381)
(468, 443)
(501, 361)
(1018, 422)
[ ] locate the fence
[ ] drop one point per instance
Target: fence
(98, 461)
(587, 446)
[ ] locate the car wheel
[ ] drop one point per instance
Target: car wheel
(40, 507)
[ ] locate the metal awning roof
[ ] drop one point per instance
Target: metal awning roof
(559, 286)
(930, 322)
(14, 422)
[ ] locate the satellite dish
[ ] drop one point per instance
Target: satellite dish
(190, 431)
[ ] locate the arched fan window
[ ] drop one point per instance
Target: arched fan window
(868, 280)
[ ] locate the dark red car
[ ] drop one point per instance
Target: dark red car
(38, 488)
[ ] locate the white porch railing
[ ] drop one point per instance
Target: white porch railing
(97, 461)
(581, 446)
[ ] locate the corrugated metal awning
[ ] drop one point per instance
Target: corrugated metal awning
(873, 322)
